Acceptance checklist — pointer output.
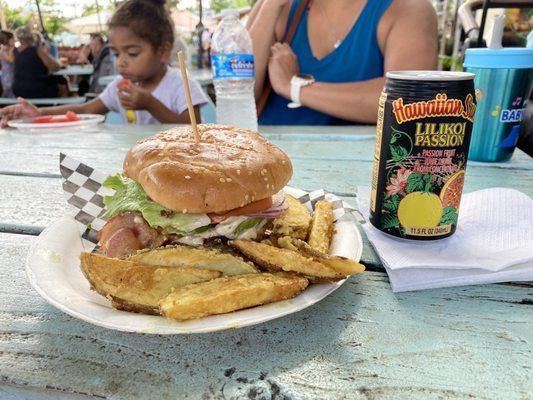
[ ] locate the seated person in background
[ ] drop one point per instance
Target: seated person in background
(43, 40)
(141, 35)
(347, 46)
(85, 56)
(179, 45)
(7, 59)
(98, 52)
(34, 66)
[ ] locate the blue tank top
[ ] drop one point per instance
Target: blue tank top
(358, 58)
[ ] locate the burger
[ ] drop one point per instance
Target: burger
(176, 190)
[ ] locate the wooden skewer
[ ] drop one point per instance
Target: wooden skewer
(192, 115)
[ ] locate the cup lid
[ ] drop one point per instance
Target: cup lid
(511, 57)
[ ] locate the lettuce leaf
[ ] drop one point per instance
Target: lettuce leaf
(247, 224)
(130, 196)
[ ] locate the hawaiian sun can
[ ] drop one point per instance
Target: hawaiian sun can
(422, 137)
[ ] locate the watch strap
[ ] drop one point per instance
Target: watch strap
(296, 87)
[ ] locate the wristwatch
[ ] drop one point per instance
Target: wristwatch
(297, 83)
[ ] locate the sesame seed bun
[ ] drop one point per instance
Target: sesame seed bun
(229, 168)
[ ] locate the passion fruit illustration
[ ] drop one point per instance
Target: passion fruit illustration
(450, 194)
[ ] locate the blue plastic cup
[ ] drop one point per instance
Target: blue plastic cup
(503, 85)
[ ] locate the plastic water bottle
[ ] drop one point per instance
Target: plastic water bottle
(232, 61)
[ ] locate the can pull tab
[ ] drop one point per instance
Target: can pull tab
(495, 40)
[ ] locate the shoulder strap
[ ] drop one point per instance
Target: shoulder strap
(289, 35)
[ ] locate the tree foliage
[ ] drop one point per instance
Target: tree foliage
(15, 17)
(90, 9)
(24, 15)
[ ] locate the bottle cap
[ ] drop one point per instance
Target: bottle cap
(229, 12)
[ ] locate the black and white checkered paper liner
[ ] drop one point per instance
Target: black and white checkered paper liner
(84, 191)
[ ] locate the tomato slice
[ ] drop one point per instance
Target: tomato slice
(124, 83)
(71, 116)
(252, 208)
(59, 119)
(47, 119)
(42, 120)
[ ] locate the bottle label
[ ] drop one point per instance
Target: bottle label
(232, 66)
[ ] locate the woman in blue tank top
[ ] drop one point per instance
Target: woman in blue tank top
(346, 46)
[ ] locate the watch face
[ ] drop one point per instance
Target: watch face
(305, 77)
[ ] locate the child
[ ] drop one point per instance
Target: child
(141, 36)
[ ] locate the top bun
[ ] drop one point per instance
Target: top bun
(228, 169)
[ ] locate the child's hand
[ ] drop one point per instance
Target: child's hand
(23, 109)
(134, 97)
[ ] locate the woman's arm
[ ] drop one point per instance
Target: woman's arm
(7, 54)
(408, 34)
(83, 55)
(353, 101)
(408, 43)
(10, 56)
(266, 25)
(51, 63)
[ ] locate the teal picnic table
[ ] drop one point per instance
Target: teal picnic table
(50, 101)
(361, 342)
(75, 70)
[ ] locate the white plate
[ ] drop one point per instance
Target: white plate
(85, 120)
(53, 269)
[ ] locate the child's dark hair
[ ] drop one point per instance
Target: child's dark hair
(5, 36)
(148, 19)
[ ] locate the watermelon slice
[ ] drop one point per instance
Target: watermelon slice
(48, 119)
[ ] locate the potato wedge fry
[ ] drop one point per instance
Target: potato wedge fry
(230, 293)
(137, 287)
(321, 230)
(183, 256)
(294, 221)
(278, 259)
(342, 265)
(285, 242)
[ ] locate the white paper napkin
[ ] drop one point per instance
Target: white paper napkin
(493, 243)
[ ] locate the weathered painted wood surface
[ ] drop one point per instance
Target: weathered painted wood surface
(361, 342)
(343, 159)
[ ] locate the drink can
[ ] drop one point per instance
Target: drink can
(424, 127)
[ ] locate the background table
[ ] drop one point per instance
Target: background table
(203, 76)
(45, 101)
(361, 342)
(75, 70)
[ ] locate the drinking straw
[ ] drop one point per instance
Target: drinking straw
(188, 96)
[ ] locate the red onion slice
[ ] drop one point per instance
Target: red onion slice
(273, 211)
